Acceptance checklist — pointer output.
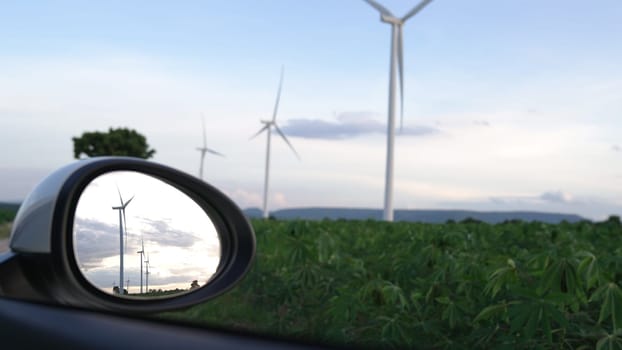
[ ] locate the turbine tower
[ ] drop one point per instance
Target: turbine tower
(122, 229)
(268, 124)
(142, 256)
(204, 150)
(396, 66)
(147, 274)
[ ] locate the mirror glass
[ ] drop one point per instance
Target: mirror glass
(137, 234)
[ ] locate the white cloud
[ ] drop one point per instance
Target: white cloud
(244, 198)
(279, 200)
(348, 125)
(556, 197)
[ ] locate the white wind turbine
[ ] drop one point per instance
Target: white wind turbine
(142, 256)
(204, 150)
(147, 274)
(268, 124)
(122, 229)
(397, 59)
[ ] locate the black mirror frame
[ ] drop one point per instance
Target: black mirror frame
(55, 277)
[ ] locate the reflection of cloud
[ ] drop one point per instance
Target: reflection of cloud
(165, 235)
(105, 278)
(95, 241)
(182, 277)
(347, 125)
(173, 279)
(555, 197)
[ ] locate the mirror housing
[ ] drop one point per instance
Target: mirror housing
(41, 264)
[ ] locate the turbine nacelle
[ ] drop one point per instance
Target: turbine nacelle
(391, 19)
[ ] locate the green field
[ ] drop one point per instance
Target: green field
(514, 285)
(5, 230)
(7, 214)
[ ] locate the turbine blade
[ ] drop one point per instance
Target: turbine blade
(416, 9)
(214, 152)
(260, 131)
(286, 140)
(383, 10)
(126, 203)
(278, 95)
(400, 68)
(119, 192)
(124, 231)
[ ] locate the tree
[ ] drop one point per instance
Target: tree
(115, 142)
(194, 284)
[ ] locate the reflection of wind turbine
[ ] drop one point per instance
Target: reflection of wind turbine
(268, 124)
(204, 150)
(147, 274)
(122, 228)
(397, 57)
(142, 255)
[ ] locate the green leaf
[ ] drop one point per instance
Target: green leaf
(589, 268)
(451, 314)
(532, 323)
(490, 312)
(501, 277)
(556, 315)
(518, 316)
(611, 305)
(609, 342)
(443, 300)
(546, 328)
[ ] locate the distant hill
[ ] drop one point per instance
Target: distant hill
(426, 216)
(253, 213)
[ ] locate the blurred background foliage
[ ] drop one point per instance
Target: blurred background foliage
(514, 285)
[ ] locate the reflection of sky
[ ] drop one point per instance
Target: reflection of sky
(180, 240)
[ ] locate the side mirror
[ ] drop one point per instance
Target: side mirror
(124, 234)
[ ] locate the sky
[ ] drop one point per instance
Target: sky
(508, 105)
(178, 238)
